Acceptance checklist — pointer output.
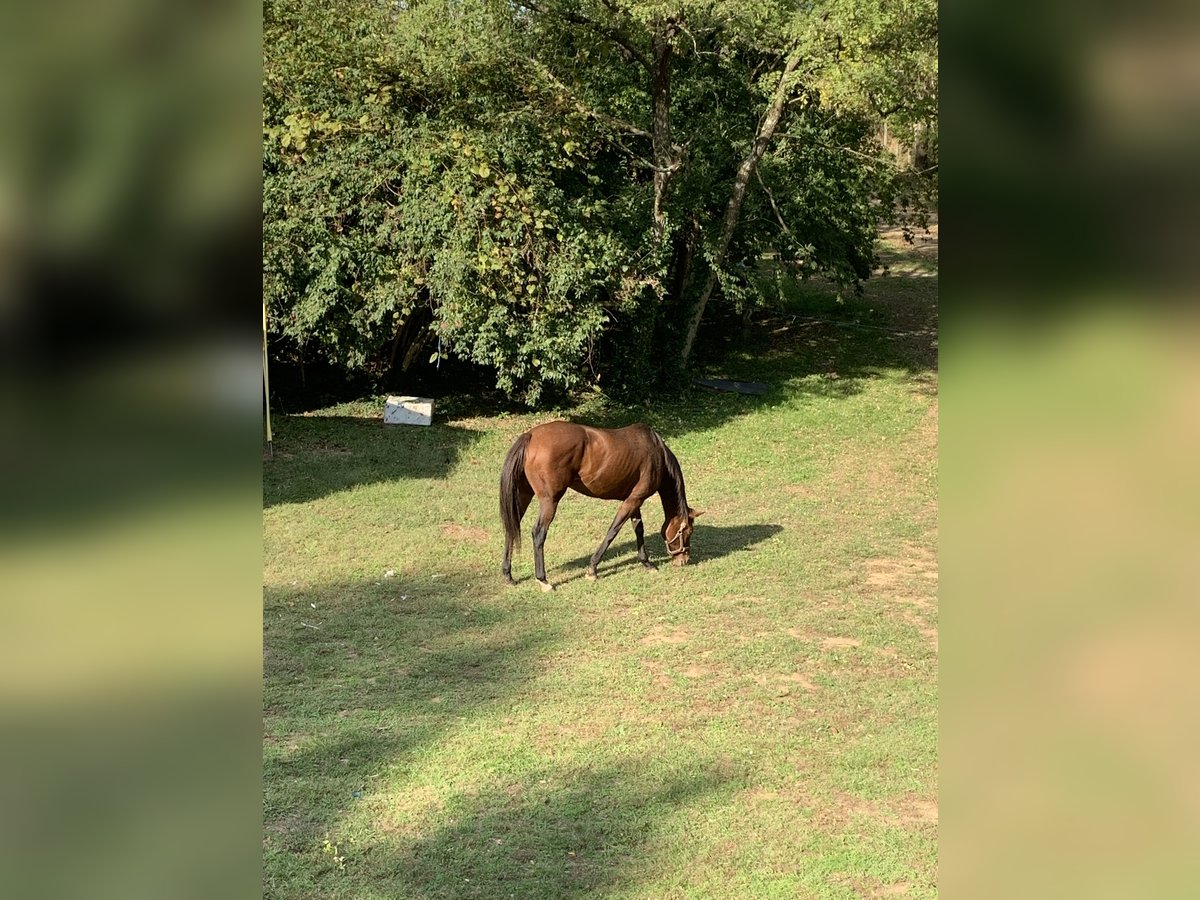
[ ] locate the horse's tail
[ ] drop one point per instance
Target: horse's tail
(511, 477)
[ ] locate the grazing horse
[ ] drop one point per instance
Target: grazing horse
(626, 464)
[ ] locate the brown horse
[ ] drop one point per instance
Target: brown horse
(626, 464)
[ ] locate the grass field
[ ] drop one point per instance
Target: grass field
(761, 723)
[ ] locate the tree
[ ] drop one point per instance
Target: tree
(560, 190)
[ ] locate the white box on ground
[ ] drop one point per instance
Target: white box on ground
(408, 411)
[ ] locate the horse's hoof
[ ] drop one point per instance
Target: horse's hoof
(547, 587)
(509, 582)
(590, 576)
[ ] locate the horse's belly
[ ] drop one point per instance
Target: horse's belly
(601, 490)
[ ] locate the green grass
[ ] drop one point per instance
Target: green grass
(761, 723)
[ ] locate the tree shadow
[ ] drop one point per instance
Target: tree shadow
(320, 455)
(358, 677)
(708, 542)
(362, 688)
(816, 341)
(564, 834)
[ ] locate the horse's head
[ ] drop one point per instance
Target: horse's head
(677, 533)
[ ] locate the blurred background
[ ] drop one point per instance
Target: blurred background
(130, 400)
(130, 216)
(1070, 502)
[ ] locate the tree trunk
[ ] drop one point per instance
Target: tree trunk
(660, 90)
(681, 268)
(919, 151)
(733, 210)
(412, 335)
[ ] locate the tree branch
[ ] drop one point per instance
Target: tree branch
(611, 121)
(733, 210)
(611, 33)
(771, 197)
(883, 114)
(637, 158)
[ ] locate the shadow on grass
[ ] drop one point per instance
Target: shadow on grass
(708, 542)
(320, 455)
(366, 687)
(365, 679)
(715, 541)
(563, 834)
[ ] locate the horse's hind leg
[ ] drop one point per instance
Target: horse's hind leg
(640, 533)
(523, 501)
(624, 511)
(547, 507)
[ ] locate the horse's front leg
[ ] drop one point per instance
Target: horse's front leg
(640, 533)
(624, 511)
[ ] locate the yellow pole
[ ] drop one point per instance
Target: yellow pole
(267, 382)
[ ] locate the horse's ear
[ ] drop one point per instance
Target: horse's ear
(695, 513)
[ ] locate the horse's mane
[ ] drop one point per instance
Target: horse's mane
(673, 476)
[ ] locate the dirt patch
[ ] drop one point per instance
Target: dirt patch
(919, 810)
(917, 561)
(909, 580)
(829, 642)
(660, 679)
(870, 887)
(754, 796)
(696, 672)
(472, 533)
(782, 685)
(899, 889)
(659, 635)
(850, 807)
(838, 812)
(832, 642)
(835, 813)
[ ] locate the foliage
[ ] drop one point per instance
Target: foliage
(490, 171)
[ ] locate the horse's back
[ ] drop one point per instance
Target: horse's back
(610, 463)
(563, 437)
(557, 432)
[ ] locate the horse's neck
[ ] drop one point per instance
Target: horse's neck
(671, 495)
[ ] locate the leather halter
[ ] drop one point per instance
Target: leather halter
(682, 548)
